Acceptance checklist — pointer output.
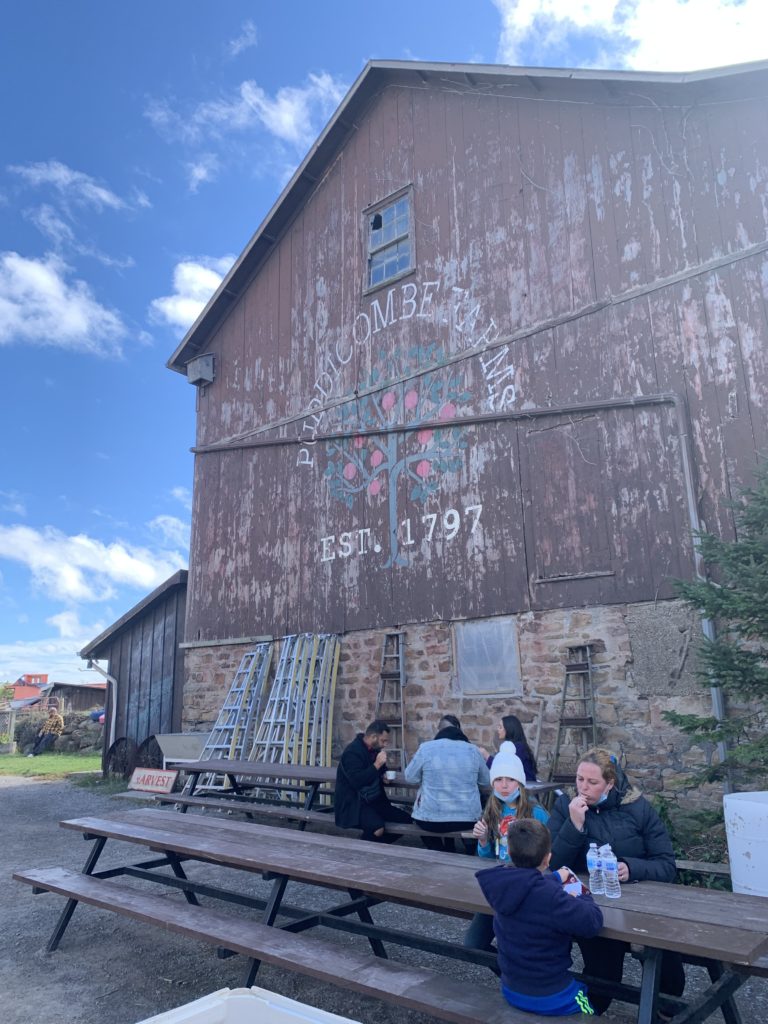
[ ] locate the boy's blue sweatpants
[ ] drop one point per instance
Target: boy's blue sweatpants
(571, 1000)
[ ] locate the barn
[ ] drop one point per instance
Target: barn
(493, 357)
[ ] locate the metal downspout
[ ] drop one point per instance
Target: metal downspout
(113, 682)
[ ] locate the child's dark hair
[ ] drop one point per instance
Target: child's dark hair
(528, 842)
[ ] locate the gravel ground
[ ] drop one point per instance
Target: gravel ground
(109, 970)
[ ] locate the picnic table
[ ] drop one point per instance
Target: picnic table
(726, 932)
(241, 775)
(276, 790)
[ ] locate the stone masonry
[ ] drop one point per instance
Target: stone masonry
(644, 665)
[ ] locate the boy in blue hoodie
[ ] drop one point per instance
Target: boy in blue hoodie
(535, 920)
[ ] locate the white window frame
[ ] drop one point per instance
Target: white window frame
(373, 249)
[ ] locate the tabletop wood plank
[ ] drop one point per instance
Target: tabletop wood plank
(691, 920)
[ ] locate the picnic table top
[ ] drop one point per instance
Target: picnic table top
(299, 773)
(719, 925)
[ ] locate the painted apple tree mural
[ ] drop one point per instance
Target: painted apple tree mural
(376, 465)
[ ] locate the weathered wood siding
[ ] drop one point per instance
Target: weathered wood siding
(146, 661)
(563, 258)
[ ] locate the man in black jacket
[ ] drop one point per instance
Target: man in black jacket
(360, 800)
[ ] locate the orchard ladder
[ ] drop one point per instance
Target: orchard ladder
(576, 726)
(389, 701)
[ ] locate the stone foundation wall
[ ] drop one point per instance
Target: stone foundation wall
(643, 665)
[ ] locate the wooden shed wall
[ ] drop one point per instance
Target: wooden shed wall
(566, 253)
(146, 661)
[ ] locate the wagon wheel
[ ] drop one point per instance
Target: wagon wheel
(121, 758)
(149, 754)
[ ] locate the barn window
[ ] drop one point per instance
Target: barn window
(487, 656)
(390, 239)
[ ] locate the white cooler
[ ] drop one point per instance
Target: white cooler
(246, 1006)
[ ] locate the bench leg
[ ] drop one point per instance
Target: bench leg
(69, 909)
(365, 916)
(178, 871)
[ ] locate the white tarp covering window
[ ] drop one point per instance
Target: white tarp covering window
(487, 656)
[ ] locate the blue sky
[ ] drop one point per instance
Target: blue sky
(141, 145)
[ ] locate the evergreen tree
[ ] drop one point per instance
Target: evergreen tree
(737, 659)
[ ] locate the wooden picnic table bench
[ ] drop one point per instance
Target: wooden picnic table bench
(728, 930)
(415, 988)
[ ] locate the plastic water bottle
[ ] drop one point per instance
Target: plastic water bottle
(610, 873)
(595, 869)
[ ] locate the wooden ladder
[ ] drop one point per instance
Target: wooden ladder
(576, 726)
(389, 700)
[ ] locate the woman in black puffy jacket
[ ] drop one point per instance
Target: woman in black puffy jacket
(607, 809)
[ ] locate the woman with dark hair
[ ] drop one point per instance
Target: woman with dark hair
(510, 729)
(608, 809)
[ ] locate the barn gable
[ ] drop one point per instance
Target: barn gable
(496, 352)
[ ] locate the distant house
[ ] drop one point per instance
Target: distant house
(77, 696)
(26, 694)
(33, 679)
(144, 672)
(495, 354)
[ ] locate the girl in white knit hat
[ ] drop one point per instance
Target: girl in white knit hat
(508, 801)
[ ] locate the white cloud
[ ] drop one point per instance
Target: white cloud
(73, 185)
(141, 199)
(55, 655)
(39, 306)
(12, 501)
(79, 568)
(204, 168)
(48, 222)
(67, 623)
(652, 35)
(194, 282)
(173, 531)
(247, 38)
(294, 115)
(184, 496)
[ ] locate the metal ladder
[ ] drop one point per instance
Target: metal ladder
(274, 737)
(576, 727)
(234, 726)
(389, 700)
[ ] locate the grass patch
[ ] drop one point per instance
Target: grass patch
(48, 766)
(106, 785)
